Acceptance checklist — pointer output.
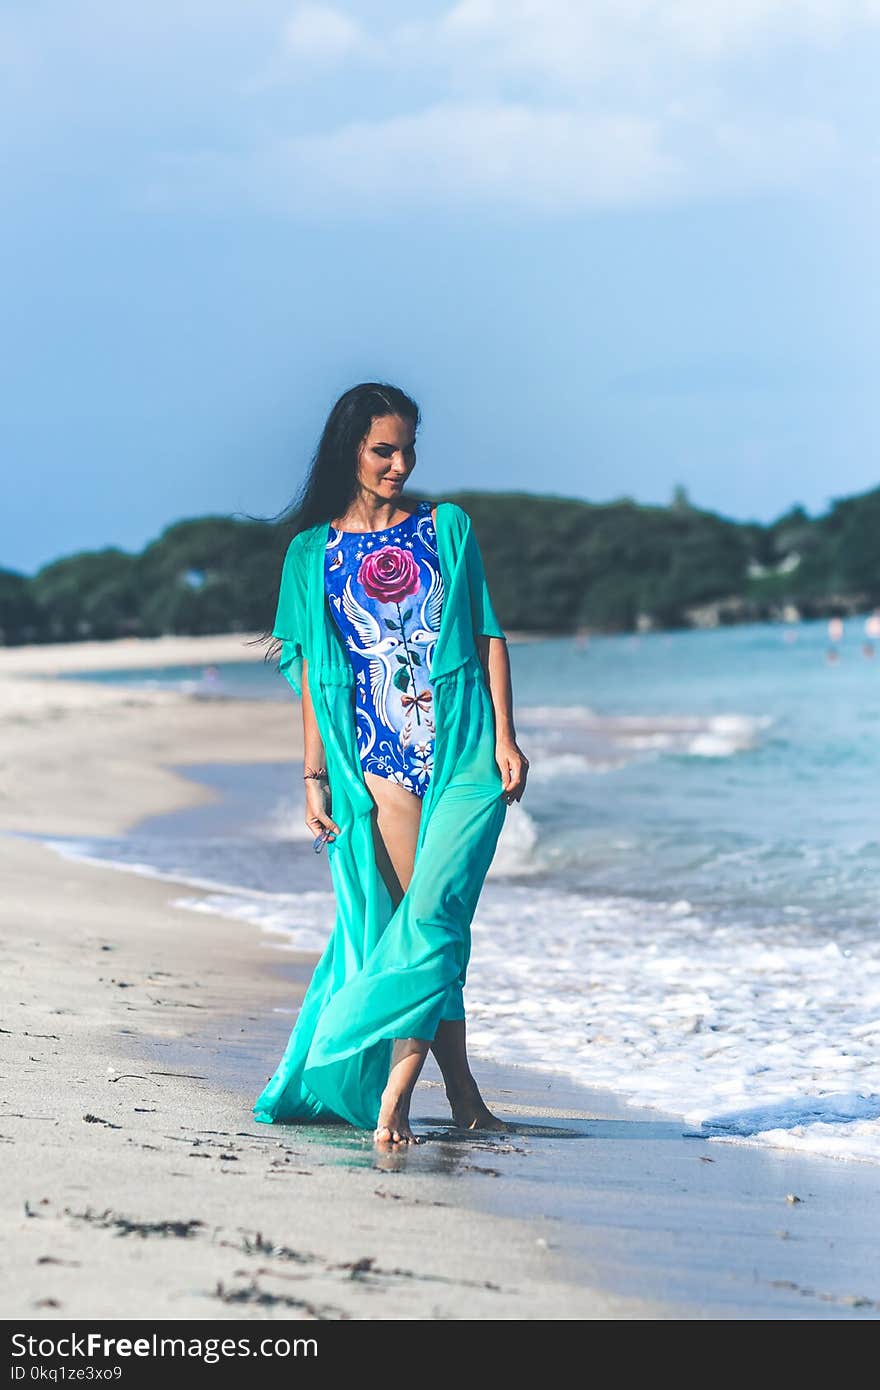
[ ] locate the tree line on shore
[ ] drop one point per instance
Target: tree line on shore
(554, 564)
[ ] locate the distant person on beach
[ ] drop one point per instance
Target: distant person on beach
(835, 633)
(389, 636)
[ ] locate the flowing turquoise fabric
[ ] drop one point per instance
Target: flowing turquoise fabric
(389, 973)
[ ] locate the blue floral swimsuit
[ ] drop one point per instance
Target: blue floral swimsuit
(385, 592)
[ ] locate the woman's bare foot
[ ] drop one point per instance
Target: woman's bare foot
(393, 1125)
(469, 1110)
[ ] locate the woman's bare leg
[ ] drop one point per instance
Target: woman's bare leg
(407, 1059)
(469, 1110)
(395, 821)
(395, 824)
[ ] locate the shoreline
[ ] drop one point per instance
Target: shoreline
(142, 653)
(113, 1125)
(108, 988)
(138, 1034)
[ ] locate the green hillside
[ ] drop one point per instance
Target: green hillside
(555, 565)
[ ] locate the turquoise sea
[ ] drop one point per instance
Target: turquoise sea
(683, 908)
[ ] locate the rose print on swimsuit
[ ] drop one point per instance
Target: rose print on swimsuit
(390, 575)
(385, 591)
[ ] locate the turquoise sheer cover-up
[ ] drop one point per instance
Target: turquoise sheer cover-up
(389, 972)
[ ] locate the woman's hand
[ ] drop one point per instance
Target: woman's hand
(514, 767)
(318, 816)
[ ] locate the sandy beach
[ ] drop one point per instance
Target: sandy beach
(136, 1035)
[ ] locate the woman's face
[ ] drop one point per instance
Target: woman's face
(387, 456)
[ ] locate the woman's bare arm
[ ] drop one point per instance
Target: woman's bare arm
(318, 802)
(496, 668)
(509, 756)
(313, 745)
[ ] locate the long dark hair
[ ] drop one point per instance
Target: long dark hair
(331, 483)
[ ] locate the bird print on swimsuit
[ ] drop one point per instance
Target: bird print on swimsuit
(385, 592)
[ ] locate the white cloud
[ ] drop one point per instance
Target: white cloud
(496, 153)
(580, 40)
(544, 105)
(319, 34)
(507, 156)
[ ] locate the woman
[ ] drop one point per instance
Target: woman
(389, 637)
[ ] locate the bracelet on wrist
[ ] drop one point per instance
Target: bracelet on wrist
(320, 772)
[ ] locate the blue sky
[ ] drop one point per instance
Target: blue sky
(609, 247)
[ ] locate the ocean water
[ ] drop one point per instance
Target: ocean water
(683, 908)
